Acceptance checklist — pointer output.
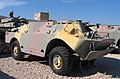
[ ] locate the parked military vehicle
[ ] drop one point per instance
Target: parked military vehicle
(111, 31)
(63, 42)
(114, 33)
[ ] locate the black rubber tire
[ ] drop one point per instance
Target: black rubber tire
(116, 50)
(119, 48)
(20, 55)
(92, 62)
(86, 64)
(1, 47)
(67, 63)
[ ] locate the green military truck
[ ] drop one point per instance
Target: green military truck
(62, 42)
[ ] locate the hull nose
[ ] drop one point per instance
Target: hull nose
(97, 54)
(104, 44)
(89, 49)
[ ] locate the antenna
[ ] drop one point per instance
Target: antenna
(34, 6)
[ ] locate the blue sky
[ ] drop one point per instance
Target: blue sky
(94, 11)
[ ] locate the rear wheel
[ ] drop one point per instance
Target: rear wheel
(60, 61)
(116, 50)
(119, 47)
(16, 51)
(86, 64)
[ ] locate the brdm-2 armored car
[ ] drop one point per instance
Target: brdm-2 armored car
(63, 42)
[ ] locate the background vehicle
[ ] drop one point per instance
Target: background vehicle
(112, 31)
(63, 42)
(115, 33)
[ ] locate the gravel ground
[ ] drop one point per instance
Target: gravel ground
(107, 67)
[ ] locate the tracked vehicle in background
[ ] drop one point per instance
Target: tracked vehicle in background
(62, 42)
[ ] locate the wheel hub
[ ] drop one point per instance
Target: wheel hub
(57, 62)
(16, 50)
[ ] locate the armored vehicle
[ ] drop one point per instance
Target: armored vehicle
(111, 31)
(62, 42)
(115, 33)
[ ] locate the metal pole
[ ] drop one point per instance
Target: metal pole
(34, 6)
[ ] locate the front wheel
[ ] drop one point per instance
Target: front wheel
(16, 51)
(116, 50)
(119, 47)
(60, 61)
(86, 64)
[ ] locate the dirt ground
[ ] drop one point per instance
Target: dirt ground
(107, 67)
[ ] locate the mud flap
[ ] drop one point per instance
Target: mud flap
(97, 54)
